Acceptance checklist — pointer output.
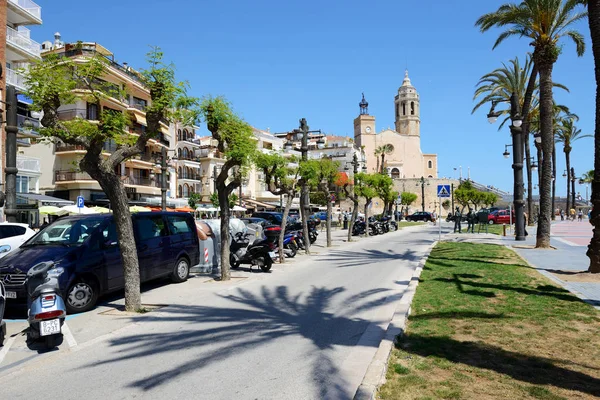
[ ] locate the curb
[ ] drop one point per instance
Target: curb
(375, 375)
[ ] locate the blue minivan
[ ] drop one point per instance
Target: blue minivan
(87, 248)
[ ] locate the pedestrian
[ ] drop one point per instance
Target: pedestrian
(44, 224)
(580, 215)
(457, 218)
(572, 214)
(433, 217)
(470, 220)
(562, 214)
(340, 220)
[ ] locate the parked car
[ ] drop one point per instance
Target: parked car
(271, 216)
(420, 216)
(259, 221)
(87, 248)
(500, 217)
(12, 236)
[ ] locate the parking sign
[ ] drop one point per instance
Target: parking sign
(80, 202)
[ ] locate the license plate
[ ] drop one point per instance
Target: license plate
(50, 327)
(11, 295)
(272, 254)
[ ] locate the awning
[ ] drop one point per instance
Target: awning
(42, 199)
(140, 120)
(259, 204)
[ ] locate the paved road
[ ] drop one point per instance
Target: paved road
(306, 331)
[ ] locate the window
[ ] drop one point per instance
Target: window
(429, 164)
(178, 224)
(92, 111)
(186, 190)
(403, 108)
(397, 110)
(179, 153)
(179, 135)
(185, 134)
(22, 184)
(8, 231)
(180, 191)
(151, 226)
(395, 173)
(412, 108)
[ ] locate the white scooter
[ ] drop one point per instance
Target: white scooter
(47, 309)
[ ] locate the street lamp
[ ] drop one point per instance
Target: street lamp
(506, 154)
(517, 145)
(422, 182)
(163, 177)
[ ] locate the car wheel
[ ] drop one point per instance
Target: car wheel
(81, 296)
(181, 271)
(491, 222)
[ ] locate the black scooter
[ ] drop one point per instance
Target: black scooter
(258, 253)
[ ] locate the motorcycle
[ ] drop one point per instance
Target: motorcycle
(359, 228)
(2, 306)
(375, 227)
(290, 248)
(46, 306)
(389, 225)
(260, 253)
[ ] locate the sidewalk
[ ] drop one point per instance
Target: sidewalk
(561, 264)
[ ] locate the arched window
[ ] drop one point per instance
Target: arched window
(403, 108)
(179, 134)
(412, 108)
(430, 176)
(186, 190)
(397, 110)
(179, 172)
(395, 173)
(180, 191)
(429, 164)
(185, 153)
(179, 153)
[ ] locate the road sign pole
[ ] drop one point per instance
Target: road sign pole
(440, 219)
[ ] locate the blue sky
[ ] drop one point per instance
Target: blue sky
(280, 61)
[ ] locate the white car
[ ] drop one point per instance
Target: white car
(12, 236)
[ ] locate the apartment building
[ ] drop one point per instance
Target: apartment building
(141, 174)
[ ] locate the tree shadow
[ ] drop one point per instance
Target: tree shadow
(525, 368)
(345, 258)
(248, 320)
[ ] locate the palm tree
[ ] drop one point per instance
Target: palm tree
(594, 247)
(382, 151)
(544, 23)
(567, 133)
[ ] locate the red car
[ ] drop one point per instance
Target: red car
(500, 217)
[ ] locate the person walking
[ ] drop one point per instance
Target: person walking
(580, 215)
(457, 218)
(562, 214)
(470, 221)
(433, 217)
(572, 214)
(525, 223)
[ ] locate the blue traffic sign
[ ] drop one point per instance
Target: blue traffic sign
(443, 190)
(80, 202)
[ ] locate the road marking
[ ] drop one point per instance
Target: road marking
(67, 334)
(6, 348)
(567, 242)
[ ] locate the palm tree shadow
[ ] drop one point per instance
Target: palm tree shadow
(249, 320)
(368, 256)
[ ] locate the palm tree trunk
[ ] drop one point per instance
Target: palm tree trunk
(526, 107)
(546, 114)
(568, 163)
(573, 187)
(553, 183)
(593, 251)
(382, 162)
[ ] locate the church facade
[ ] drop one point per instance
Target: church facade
(401, 147)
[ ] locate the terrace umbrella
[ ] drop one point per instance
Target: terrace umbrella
(101, 210)
(73, 209)
(184, 209)
(238, 208)
(49, 210)
(135, 209)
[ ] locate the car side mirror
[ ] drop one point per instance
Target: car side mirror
(107, 244)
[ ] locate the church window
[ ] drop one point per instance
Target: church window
(397, 110)
(430, 176)
(403, 108)
(429, 164)
(412, 108)
(395, 173)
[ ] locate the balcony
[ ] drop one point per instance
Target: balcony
(24, 12)
(28, 164)
(67, 176)
(28, 127)
(59, 147)
(190, 177)
(15, 79)
(210, 153)
(140, 181)
(22, 42)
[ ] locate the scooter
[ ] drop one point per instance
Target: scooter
(2, 306)
(259, 253)
(47, 309)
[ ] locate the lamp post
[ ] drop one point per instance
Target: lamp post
(163, 176)
(11, 170)
(422, 181)
(517, 145)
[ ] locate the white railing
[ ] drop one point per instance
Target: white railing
(29, 6)
(15, 79)
(29, 164)
(21, 39)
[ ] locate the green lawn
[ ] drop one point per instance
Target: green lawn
(486, 326)
(404, 224)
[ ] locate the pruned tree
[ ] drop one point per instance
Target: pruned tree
(236, 142)
(52, 82)
(194, 200)
(322, 174)
(281, 178)
(407, 198)
(364, 186)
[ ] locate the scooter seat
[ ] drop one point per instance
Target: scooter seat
(45, 288)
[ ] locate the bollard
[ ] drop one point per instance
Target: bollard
(503, 229)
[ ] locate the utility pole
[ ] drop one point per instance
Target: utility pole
(163, 179)
(304, 199)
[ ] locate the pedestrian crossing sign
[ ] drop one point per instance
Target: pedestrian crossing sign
(443, 190)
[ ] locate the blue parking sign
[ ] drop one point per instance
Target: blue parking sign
(80, 202)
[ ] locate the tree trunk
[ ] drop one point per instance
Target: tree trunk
(526, 125)
(553, 217)
(223, 195)
(382, 162)
(115, 191)
(286, 212)
(568, 163)
(367, 204)
(593, 251)
(304, 215)
(572, 186)
(353, 218)
(546, 116)
(328, 223)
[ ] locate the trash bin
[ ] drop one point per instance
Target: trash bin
(345, 221)
(210, 249)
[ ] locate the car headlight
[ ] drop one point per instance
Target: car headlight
(55, 272)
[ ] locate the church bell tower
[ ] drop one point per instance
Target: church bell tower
(364, 124)
(407, 109)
